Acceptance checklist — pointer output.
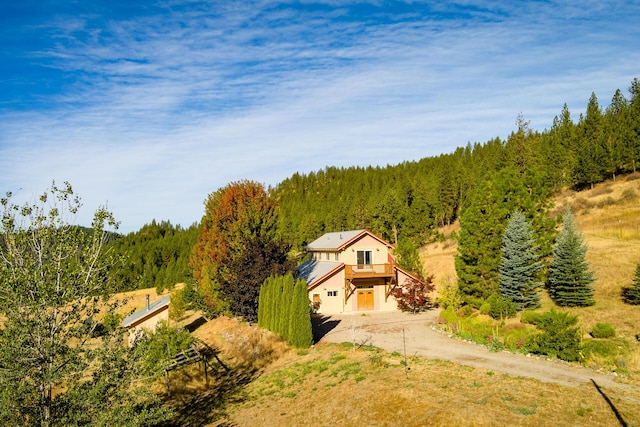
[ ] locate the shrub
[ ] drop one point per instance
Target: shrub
(448, 316)
(603, 330)
(501, 308)
(628, 195)
(529, 317)
(465, 311)
(558, 337)
(413, 295)
(158, 348)
(485, 308)
(449, 294)
(515, 336)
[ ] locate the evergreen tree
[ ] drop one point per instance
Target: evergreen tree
(592, 156)
(300, 333)
(631, 294)
(482, 227)
(520, 264)
(284, 313)
(408, 257)
(570, 279)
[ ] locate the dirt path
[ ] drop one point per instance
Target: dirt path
(386, 331)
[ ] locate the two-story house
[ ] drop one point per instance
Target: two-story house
(350, 271)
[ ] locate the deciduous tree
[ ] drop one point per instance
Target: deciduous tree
(56, 369)
(238, 246)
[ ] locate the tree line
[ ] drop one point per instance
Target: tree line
(480, 185)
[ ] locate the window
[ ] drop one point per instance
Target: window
(337, 256)
(327, 256)
(332, 293)
(364, 257)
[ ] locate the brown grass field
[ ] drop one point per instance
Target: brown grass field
(331, 385)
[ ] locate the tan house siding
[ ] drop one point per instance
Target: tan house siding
(350, 272)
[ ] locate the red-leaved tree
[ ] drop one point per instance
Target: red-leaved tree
(413, 294)
(237, 248)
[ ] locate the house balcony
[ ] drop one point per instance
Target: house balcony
(368, 271)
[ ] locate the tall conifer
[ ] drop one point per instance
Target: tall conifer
(520, 264)
(570, 279)
(284, 313)
(300, 333)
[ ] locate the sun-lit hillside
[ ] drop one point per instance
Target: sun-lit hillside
(609, 218)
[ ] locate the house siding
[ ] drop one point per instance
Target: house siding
(329, 288)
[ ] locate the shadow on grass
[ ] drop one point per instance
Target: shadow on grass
(322, 325)
(195, 324)
(208, 406)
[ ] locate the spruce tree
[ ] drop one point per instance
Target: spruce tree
(631, 294)
(300, 334)
(520, 264)
(570, 279)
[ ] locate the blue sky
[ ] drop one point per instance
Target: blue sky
(149, 106)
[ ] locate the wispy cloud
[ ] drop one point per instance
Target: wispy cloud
(155, 110)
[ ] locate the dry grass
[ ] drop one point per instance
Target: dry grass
(336, 385)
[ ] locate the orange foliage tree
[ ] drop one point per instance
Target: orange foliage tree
(237, 248)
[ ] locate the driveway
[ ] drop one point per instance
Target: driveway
(415, 335)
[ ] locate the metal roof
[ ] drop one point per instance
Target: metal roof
(333, 241)
(312, 271)
(146, 311)
(340, 239)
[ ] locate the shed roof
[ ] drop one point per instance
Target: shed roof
(146, 311)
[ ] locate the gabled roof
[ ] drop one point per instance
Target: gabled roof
(314, 272)
(146, 312)
(340, 239)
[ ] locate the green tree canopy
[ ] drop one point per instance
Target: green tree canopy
(57, 370)
(631, 294)
(483, 224)
(520, 264)
(570, 280)
(237, 246)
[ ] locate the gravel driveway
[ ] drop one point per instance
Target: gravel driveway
(393, 331)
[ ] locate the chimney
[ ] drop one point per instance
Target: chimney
(148, 307)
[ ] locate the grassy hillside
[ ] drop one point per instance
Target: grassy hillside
(609, 218)
(272, 385)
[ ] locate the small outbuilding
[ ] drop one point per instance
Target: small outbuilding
(147, 318)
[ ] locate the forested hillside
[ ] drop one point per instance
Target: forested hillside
(155, 256)
(414, 199)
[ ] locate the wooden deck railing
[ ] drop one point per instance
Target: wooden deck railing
(364, 271)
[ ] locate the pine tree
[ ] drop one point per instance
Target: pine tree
(570, 279)
(520, 264)
(300, 334)
(631, 294)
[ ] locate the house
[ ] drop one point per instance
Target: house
(351, 271)
(147, 318)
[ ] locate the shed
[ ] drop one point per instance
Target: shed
(147, 318)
